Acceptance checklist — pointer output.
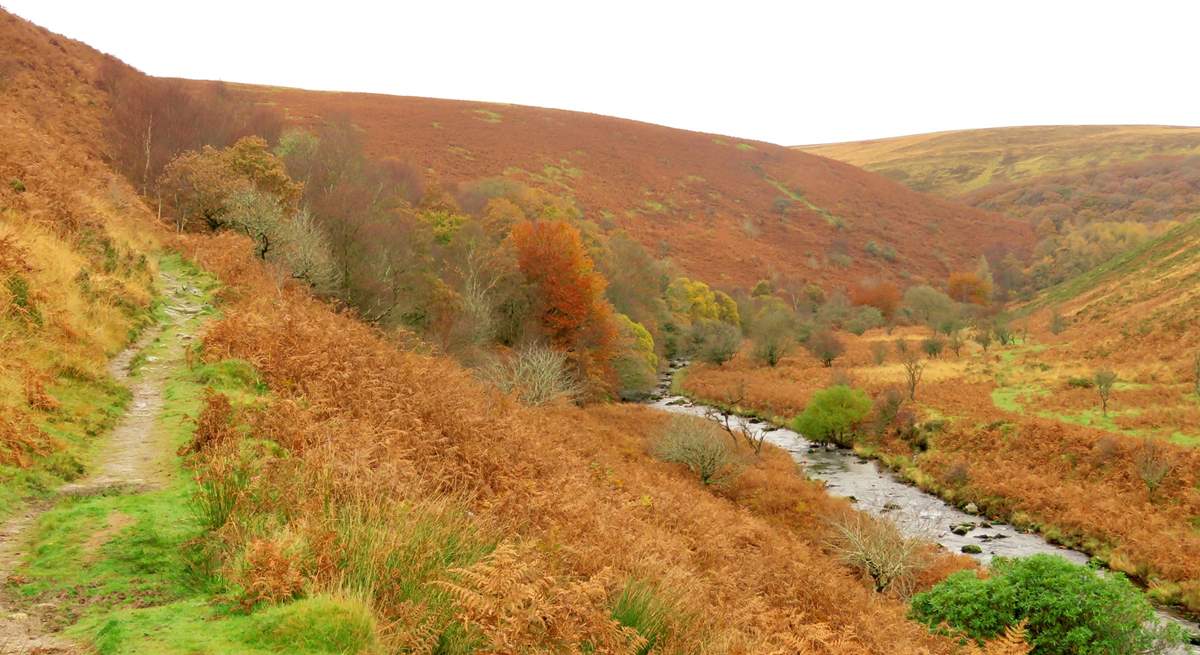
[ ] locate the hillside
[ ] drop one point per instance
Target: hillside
(953, 164)
(1140, 309)
(281, 477)
(727, 211)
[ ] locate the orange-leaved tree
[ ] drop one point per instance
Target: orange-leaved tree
(969, 287)
(883, 296)
(569, 294)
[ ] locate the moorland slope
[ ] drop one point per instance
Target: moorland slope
(728, 211)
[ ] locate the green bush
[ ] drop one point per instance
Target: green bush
(1068, 609)
(833, 415)
(864, 318)
(1080, 383)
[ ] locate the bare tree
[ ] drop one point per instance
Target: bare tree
(1104, 379)
(878, 548)
(913, 369)
(729, 423)
(1153, 464)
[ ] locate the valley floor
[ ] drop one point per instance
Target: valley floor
(1018, 432)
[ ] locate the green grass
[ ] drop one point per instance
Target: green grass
(640, 607)
(121, 569)
(488, 116)
(831, 219)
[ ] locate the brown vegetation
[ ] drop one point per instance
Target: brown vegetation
(705, 201)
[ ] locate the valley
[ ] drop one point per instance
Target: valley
(292, 371)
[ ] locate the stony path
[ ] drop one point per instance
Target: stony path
(130, 460)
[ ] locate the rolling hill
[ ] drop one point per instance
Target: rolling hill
(727, 211)
(953, 164)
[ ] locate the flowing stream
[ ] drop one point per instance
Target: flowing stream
(875, 489)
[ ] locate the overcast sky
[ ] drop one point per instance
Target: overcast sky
(787, 72)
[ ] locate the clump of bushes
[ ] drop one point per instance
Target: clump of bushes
(1067, 609)
(1080, 383)
(833, 415)
(698, 444)
(715, 342)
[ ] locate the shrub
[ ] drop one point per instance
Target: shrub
(1153, 464)
(1067, 609)
(537, 375)
(879, 351)
(773, 333)
(701, 446)
(933, 346)
(1196, 373)
(927, 305)
(983, 337)
(864, 318)
(913, 369)
(1080, 383)
(887, 410)
(876, 547)
(715, 342)
(1104, 379)
(1057, 323)
(825, 346)
(833, 415)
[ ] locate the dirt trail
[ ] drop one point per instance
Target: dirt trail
(132, 459)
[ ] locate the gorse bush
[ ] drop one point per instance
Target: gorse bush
(833, 415)
(1067, 609)
(702, 447)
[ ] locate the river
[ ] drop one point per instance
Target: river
(876, 490)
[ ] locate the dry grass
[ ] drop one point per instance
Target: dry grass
(369, 427)
(1082, 485)
(74, 277)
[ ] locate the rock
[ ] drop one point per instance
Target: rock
(830, 446)
(972, 549)
(962, 528)
(985, 525)
(890, 507)
(852, 499)
(971, 508)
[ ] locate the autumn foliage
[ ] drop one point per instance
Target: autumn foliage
(884, 296)
(968, 287)
(572, 309)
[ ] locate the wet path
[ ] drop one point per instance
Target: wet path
(130, 460)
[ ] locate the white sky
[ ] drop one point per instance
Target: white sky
(788, 72)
